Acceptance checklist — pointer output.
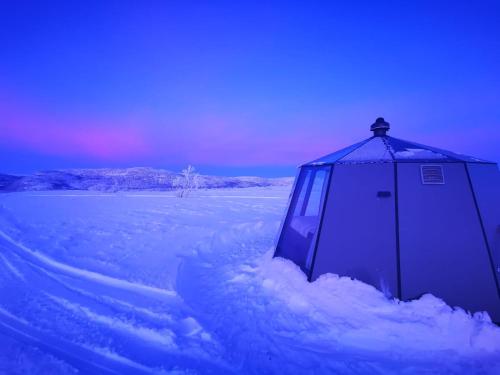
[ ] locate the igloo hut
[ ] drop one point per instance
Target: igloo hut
(406, 218)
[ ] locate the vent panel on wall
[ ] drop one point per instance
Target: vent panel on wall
(432, 174)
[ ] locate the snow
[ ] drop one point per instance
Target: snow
(91, 277)
(418, 153)
(150, 283)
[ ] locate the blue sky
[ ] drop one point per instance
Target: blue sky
(241, 87)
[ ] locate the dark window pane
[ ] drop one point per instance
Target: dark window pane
(299, 231)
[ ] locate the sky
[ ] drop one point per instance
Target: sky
(235, 87)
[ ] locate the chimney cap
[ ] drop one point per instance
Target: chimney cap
(380, 127)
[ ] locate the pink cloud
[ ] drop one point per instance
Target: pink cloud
(222, 138)
(26, 127)
(207, 139)
(229, 140)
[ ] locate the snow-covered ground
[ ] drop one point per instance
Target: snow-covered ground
(150, 283)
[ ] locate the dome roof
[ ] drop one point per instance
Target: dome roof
(383, 148)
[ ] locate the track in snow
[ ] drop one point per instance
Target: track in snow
(143, 322)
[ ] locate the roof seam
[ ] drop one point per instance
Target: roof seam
(384, 139)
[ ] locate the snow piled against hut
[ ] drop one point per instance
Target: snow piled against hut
(151, 283)
(360, 316)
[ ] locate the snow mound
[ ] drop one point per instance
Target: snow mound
(358, 315)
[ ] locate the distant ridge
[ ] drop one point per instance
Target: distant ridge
(124, 179)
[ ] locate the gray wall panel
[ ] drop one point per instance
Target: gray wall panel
(486, 181)
(443, 251)
(358, 233)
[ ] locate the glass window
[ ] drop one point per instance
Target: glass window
(299, 231)
(304, 181)
(316, 194)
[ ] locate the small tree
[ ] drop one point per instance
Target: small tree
(187, 181)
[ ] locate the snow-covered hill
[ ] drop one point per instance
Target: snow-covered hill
(107, 179)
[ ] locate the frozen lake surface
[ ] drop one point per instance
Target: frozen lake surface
(147, 282)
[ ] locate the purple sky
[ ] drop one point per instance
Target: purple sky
(239, 88)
